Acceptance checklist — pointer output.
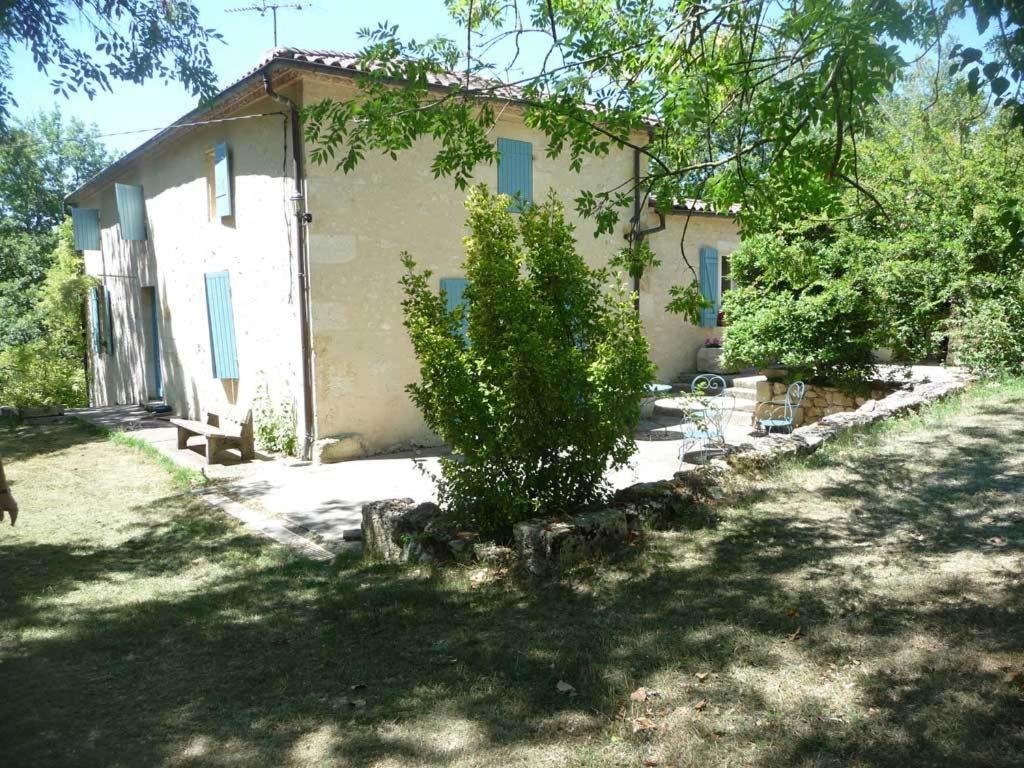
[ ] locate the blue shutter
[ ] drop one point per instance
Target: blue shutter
(709, 285)
(515, 171)
(224, 353)
(222, 180)
(454, 288)
(131, 211)
(85, 223)
(109, 338)
(94, 313)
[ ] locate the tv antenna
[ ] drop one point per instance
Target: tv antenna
(262, 9)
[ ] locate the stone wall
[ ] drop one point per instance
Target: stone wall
(818, 401)
(921, 390)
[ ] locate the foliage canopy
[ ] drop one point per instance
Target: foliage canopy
(49, 368)
(135, 40)
(932, 255)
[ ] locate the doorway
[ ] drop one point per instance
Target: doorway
(149, 317)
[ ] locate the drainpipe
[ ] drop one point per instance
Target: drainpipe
(637, 234)
(301, 219)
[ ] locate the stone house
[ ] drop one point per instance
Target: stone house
(233, 272)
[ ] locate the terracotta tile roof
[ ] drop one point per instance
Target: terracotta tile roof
(349, 64)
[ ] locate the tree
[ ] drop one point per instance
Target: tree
(41, 162)
(935, 252)
(135, 41)
(1001, 69)
(537, 386)
(48, 368)
(749, 101)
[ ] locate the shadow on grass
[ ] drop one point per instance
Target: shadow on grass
(49, 437)
(242, 652)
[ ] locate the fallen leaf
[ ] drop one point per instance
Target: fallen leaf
(357, 703)
(701, 705)
(643, 724)
(997, 541)
(357, 686)
(649, 762)
(640, 694)
(564, 687)
(796, 635)
(792, 612)
(702, 676)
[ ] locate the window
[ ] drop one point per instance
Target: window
(85, 224)
(454, 289)
(102, 317)
(219, 202)
(131, 211)
(726, 279)
(211, 188)
(515, 172)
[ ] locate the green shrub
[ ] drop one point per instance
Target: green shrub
(542, 392)
(987, 335)
(803, 305)
(37, 374)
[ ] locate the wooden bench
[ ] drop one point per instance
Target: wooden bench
(230, 429)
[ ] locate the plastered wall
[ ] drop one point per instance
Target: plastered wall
(362, 221)
(674, 342)
(255, 245)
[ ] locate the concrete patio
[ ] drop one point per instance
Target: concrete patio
(326, 500)
(320, 502)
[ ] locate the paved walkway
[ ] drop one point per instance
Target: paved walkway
(321, 502)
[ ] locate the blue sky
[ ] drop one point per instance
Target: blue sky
(322, 24)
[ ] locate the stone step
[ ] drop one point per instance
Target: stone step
(740, 394)
(742, 380)
(747, 383)
(673, 408)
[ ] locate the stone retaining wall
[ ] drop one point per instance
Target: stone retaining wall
(400, 530)
(818, 401)
(809, 438)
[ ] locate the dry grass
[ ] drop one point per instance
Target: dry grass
(137, 628)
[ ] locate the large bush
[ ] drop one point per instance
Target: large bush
(931, 258)
(987, 335)
(805, 305)
(540, 392)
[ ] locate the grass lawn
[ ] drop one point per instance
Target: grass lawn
(861, 608)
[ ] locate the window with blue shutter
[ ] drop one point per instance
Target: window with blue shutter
(222, 180)
(94, 314)
(454, 288)
(109, 336)
(709, 286)
(223, 351)
(131, 211)
(85, 224)
(515, 171)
